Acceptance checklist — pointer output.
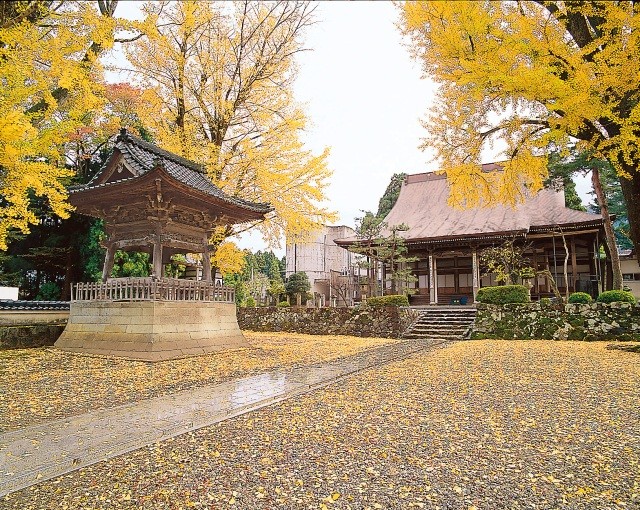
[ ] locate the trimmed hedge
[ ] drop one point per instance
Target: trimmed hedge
(283, 304)
(580, 297)
(503, 294)
(614, 296)
(391, 300)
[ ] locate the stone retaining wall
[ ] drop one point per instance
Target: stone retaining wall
(25, 324)
(387, 322)
(594, 321)
(22, 336)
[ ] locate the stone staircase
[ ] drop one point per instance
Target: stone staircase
(449, 323)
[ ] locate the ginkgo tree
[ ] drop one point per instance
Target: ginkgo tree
(526, 76)
(51, 88)
(218, 79)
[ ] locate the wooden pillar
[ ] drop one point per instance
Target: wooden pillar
(547, 266)
(596, 263)
(157, 259)
(475, 272)
(433, 281)
(108, 262)
(206, 262)
(535, 289)
(574, 263)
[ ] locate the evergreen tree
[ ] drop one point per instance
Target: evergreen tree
(617, 205)
(390, 196)
(561, 170)
(298, 284)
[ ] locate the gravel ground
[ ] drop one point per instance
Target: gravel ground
(42, 384)
(474, 425)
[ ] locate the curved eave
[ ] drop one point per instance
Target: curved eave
(238, 210)
(346, 243)
(470, 238)
(489, 236)
(568, 226)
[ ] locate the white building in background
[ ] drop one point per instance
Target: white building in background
(9, 293)
(332, 270)
(630, 272)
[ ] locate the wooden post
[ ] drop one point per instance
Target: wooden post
(476, 272)
(157, 259)
(574, 263)
(206, 262)
(108, 262)
(433, 282)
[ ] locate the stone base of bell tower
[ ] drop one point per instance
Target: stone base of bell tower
(151, 330)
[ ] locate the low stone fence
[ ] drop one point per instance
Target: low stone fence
(23, 336)
(387, 322)
(594, 321)
(26, 324)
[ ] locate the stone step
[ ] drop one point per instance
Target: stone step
(447, 324)
(439, 323)
(438, 331)
(433, 321)
(447, 312)
(447, 317)
(443, 323)
(413, 336)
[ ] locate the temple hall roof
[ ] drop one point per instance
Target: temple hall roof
(422, 206)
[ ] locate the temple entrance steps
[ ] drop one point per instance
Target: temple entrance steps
(450, 323)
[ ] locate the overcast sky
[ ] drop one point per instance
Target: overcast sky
(364, 98)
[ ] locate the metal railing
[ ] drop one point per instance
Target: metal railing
(152, 289)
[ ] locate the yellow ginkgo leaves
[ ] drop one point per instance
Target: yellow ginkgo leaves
(519, 78)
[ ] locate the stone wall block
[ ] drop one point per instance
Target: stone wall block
(594, 321)
(151, 331)
(382, 322)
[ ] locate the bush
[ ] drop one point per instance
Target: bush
(580, 297)
(545, 302)
(283, 304)
(250, 302)
(503, 294)
(613, 296)
(391, 300)
(49, 291)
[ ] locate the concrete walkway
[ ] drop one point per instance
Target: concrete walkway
(41, 452)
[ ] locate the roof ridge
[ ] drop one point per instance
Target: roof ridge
(125, 136)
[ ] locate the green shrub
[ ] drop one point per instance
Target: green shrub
(613, 296)
(545, 302)
(283, 304)
(49, 291)
(391, 300)
(580, 297)
(250, 302)
(503, 294)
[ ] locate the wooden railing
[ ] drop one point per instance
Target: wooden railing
(152, 289)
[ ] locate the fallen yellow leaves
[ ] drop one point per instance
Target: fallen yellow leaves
(390, 438)
(42, 384)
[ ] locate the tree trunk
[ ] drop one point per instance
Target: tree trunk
(552, 283)
(68, 275)
(631, 193)
(607, 270)
(608, 227)
(565, 267)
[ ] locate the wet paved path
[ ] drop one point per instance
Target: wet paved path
(40, 452)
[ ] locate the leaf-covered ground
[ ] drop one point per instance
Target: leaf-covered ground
(484, 424)
(43, 384)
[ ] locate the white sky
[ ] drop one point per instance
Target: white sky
(364, 98)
